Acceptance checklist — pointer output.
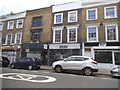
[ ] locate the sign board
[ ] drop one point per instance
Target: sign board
(64, 46)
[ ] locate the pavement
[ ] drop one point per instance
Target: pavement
(100, 71)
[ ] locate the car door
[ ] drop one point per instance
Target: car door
(79, 63)
(68, 63)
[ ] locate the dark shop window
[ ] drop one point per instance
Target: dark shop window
(103, 56)
(37, 21)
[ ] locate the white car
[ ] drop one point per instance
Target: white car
(115, 72)
(80, 63)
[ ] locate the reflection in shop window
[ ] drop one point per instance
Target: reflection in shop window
(117, 58)
(103, 57)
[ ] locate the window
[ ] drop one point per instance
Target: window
(72, 34)
(37, 21)
(1, 26)
(8, 39)
(72, 16)
(110, 12)
(35, 36)
(103, 56)
(57, 37)
(111, 32)
(58, 18)
(10, 25)
(92, 14)
(18, 37)
(70, 59)
(92, 34)
(19, 23)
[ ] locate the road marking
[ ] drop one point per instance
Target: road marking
(107, 78)
(27, 77)
(46, 72)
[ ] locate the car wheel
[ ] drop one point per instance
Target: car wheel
(12, 66)
(58, 69)
(30, 67)
(88, 71)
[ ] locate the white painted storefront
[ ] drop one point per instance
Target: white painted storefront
(110, 56)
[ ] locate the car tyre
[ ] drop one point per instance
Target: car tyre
(30, 67)
(88, 71)
(58, 69)
(12, 66)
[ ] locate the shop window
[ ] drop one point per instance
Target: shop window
(37, 21)
(103, 57)
(117, 58)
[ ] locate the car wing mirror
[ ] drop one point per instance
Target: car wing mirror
(65, 60)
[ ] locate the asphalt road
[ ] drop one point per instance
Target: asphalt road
(19, 78)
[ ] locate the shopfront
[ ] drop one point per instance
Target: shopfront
(107, 55)
(61, 51)
(11, 53)
(35, 50)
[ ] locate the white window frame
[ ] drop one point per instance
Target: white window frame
(17, 26)
(55, 18)
(114, 11)
(95, 13)
(69, 16)
(96, 33)
(20, 37)
(2, 24)
(9, 25)
(55, 29)
(7, 39)
(68, 29)
(116, 32)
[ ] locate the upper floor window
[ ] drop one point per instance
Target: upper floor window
(57, 35)
(92, 14)
(10, 25)
(9, 39)
(37, 21)
(72, 16)
(110, 12)
(111, 32)
(18, 38)
(35, 35)
(72, 34)
(92, 34)
(19, 23)
(58, 18)
(1, 26)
